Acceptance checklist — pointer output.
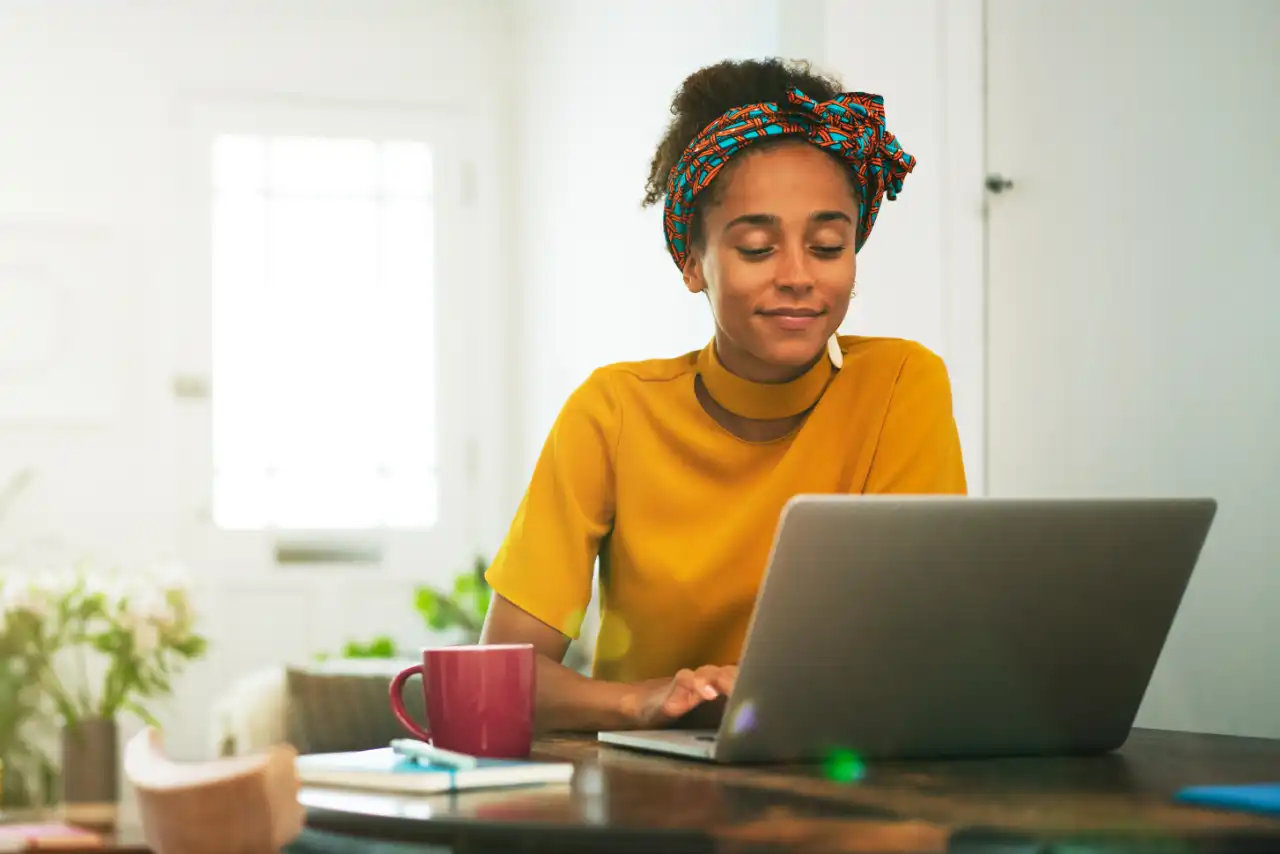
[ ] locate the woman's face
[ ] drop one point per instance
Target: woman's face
(776, 259)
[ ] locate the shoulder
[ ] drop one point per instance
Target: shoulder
(625, 378)
(894, 359)
(897, 370)
(604, 391)
(647, 371)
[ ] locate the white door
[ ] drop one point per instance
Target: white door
(1134, 300)
(326, 455)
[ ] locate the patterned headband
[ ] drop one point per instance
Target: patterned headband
(850, 126)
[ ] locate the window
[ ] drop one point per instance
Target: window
(323, 339)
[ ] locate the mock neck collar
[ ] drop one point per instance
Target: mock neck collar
(762, 401)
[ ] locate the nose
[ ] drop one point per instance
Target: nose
(793, 272)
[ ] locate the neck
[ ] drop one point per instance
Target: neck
(742, 364)
(798, 391)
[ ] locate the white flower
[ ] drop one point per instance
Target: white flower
(22, 592)
(148, 606)
(146, 639)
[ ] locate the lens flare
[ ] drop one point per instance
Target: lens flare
(844, 766)
(614, 639)
(744, 718)
(573, 624)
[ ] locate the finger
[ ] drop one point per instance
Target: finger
(679, 703)
(699, 682)
(708, 677)
(725, 679)
(683, 695)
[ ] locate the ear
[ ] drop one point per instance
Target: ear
(693, 277)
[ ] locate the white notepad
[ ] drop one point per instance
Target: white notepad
(386, 771)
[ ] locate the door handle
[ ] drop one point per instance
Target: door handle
(997, 183)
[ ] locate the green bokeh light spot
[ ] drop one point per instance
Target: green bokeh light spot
(844, 766)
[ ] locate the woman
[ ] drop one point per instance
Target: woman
(674, 471)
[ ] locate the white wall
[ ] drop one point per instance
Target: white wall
(92, 108)
(920, 276)
(1138, 361)
(1134, 303)
(95, 151)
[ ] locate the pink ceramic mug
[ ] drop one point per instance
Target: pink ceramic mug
(479, 699)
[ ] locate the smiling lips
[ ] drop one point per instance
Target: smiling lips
(794, 319)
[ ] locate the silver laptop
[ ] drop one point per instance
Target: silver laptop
(933, 627)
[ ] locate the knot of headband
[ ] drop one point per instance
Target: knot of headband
(851, 126)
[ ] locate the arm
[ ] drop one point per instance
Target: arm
(919, 447)
(541, 577)
(566, 699)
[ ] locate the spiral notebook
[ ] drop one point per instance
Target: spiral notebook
(384, 770)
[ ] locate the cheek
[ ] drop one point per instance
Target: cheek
(731, 277)
(836, 286)
(735, 285)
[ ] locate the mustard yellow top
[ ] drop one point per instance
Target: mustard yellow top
(682, 513)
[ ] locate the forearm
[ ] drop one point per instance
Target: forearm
(566, 700)
(569, 701)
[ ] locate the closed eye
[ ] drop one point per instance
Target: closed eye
(823, 251)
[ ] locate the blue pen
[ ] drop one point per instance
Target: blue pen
(421, 751)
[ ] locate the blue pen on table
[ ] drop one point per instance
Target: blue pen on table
(421, 751)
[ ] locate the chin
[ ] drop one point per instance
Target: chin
(794, 353)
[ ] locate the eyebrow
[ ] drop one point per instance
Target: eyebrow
(771, 219)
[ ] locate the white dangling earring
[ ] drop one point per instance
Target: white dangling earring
(833, 351)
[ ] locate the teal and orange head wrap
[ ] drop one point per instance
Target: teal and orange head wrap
(850, 126)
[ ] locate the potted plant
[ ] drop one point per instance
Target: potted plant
(114, 640)
(26, 774)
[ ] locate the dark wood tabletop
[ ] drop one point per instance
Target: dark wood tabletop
(623, 800)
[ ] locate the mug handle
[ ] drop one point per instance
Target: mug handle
(397, 701)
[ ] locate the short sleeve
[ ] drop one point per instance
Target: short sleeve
(545, 565)
(918, 452)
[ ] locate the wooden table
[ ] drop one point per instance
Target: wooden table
(628, 801)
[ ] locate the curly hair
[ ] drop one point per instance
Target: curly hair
(710, 92)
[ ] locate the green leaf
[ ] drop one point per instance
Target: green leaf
(143, 714)
(433, 607)
(191, 647)
(382, 646)
(465, 585)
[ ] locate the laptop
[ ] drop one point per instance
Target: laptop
(933, 627)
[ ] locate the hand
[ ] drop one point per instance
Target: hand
(659, 702)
